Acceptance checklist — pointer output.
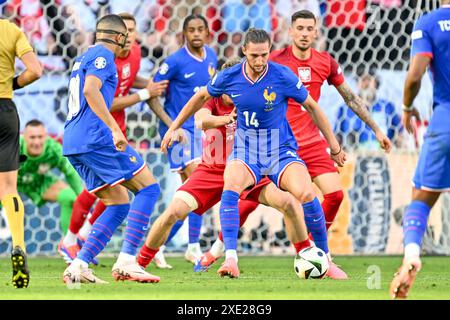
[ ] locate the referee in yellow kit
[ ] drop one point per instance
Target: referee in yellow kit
(13, 43)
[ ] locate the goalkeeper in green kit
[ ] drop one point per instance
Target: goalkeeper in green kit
(36, 179)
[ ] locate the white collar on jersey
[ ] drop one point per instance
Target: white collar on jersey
(194, 56)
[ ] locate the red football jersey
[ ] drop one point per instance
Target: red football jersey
(127, 69)
(312, 72)
(215, 141)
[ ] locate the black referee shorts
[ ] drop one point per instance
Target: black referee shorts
(9, 136)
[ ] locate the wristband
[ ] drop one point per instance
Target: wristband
(407, 109)
(16, 83)
(143, 94)
(335, 154)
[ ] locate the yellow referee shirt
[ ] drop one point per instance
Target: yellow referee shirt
(13, 43)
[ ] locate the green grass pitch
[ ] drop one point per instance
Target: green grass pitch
(268, 278)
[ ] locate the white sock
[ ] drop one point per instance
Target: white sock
(85, 229)
(79, 263)
(217, 248)
(126, 258)
(231, 254)
(412, 250)
(194, 247)
(70, 239)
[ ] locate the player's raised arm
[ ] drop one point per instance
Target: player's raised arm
(94, 97)
(153, 89)
(354, 102)
(321, 121)
(193, 105)
(419, 64)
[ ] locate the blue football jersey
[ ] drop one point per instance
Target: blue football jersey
(261, 105)
(186, 74)
(431, 37)
(84, 130)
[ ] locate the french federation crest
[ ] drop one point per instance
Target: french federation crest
(270, 98)
(211, 70)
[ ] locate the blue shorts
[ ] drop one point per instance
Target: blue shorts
(433, 168)
(106, 166)
(273, 167)
(181, 155)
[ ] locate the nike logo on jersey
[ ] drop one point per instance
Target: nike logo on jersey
(188, 75)
(236, 95)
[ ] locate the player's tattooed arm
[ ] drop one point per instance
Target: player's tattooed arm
(321, 121)
(358, 106)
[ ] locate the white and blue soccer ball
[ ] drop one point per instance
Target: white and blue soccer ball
(311, 263)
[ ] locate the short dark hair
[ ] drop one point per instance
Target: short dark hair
(256, 36)
(191, 17)
(303, 14)
(112, 22)
(34, 123)
(127, 16)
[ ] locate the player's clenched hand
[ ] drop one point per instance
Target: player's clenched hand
(157, 89)
(384, 141)
(408, 117)
(119, 140)
(339, 156)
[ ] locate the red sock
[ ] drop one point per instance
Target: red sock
(330, 206)
(245, 208)
(99, 208)
(146, 255)
(302, 245)
(80, 210)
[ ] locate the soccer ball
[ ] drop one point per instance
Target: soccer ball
(312, 263)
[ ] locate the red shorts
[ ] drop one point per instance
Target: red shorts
(206, 186)
(317, 158)
(253, 193)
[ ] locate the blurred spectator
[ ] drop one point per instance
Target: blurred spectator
(28, 15)
(353, 132)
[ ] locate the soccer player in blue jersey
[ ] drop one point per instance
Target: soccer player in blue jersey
(98, 150)
(430, 47)
(264, 143)
(188, 69)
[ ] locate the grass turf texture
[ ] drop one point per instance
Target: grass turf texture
(268, 278)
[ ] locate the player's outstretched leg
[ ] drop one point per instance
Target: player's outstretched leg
(101, 233)
(178, 209)
(414, 226)
(126, 267)
(314, 216)
(159, 260)
(218, 247)
(193, 251)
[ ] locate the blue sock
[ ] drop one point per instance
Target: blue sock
(315, 222)
(138, 218)
(102, 231)
(195, 225)
(415, 222)
(174, 230)
(229, 218)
